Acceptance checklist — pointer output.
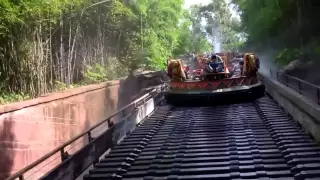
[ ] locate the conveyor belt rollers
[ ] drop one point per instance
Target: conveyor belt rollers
(254, 140)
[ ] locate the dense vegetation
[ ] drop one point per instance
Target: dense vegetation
(53, 45)
(57, 44)
(290, 27)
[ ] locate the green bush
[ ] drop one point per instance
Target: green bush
(285, 56)
(6, 97)
(95, 74)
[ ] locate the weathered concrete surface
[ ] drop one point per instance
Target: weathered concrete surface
(32, 128)
(303, 110)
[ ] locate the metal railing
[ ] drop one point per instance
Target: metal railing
(88, 134)
(304, 88)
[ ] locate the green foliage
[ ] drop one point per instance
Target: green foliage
(53, 45)
(280, 24)
(95, 74)
(287, 55)
(6, 97)
(60, 86)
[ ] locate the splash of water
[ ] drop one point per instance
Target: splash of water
(216, 39)
(217, 47)
(267, 65)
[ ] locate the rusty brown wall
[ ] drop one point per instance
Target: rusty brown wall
(32, 128)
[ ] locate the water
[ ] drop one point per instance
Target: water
(217, 47)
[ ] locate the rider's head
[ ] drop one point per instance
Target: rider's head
(214, 57)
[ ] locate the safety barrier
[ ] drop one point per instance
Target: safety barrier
(301, 106)
(91, 152)
(304, 88)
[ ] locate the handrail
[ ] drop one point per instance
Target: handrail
(60, 149)
(301, 86)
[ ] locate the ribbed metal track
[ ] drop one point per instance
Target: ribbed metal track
(241, 141)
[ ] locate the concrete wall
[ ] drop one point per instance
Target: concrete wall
(32, 128)
(302, 109)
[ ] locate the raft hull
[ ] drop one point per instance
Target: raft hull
(233, 94)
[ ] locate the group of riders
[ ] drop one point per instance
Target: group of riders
(242, 65)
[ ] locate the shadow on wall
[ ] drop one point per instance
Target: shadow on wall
(6, 149)
(128, 89)
(118, 96)
(97, 112)
(87, 125)
(133, 86)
